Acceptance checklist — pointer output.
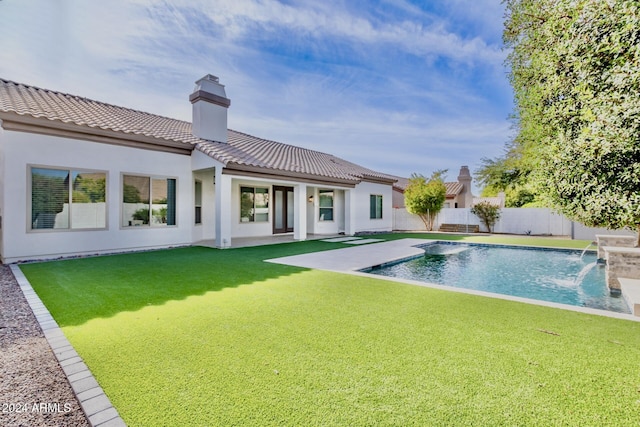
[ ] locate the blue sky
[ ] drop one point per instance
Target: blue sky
(395, 85)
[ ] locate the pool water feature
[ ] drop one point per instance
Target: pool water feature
(556, 275)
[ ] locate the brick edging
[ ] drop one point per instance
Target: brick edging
(93, 401)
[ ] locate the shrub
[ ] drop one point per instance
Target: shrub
(488, 213)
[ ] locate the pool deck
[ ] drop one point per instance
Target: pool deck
(631, 292)
(356, 257)
(351, 259)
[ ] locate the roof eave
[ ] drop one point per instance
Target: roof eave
(24, 123)
(248, 170)
(379, 179)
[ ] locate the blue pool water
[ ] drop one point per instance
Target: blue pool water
(561, 276)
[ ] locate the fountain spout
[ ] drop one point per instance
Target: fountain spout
(584, 251)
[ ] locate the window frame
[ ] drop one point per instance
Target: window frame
(326, 208)
(373, 206)
(149, 224)
(197, 204)
(251, 219)
(71, 171)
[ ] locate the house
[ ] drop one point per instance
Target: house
(458, 194)
(78, 176)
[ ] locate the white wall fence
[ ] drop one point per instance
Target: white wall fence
(533, 221)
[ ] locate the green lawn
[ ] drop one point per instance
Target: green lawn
(199, 336)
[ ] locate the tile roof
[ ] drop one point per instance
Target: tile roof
(241, 150)
(31, 101)
(496, 201)
(453, 188)
(250, 151)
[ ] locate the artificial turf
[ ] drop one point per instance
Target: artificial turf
(199, 336)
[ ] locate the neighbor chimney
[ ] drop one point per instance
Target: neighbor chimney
(464, 178)
(210, 105)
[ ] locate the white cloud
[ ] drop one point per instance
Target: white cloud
(388, 86)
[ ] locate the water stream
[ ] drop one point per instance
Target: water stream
(583, 273)
(584, 251)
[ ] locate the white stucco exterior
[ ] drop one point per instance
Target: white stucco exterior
(25, 150)
(362, 221)
(220, 207)
(107, 179)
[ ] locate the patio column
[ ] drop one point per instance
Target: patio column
(223, 209)
(350, 212)
(300, 212)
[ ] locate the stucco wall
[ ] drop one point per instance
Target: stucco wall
(22, 150)
(363, 222)
(206, 230)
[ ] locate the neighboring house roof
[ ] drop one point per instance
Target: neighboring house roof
(453, 188)
(21, 104)
(496, 201)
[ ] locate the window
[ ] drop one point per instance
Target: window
(198, 201)
(148, 201)
(375, 206)
(254, 204)
(67, 199)
(325, 205)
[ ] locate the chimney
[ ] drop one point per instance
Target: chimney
(210, 104)
(464, 178)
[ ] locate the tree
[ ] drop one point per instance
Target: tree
(575, 70)
(510, 174)
(89, 190)
(131, 194)
(488, 213)
(425, 198)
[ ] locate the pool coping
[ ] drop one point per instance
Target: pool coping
(94, 402)
(352, 259)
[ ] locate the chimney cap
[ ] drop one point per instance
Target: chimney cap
(464, 173)
(209, 89)
(209, 77)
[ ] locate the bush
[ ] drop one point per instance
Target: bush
(488, 213)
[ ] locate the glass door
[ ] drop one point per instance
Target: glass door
(282, 209)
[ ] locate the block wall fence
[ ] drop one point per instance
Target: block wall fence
(523, 221)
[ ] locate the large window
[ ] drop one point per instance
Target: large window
(325, 205)
(254, 204)
(148, 201)
(67, 199)
(375, 206)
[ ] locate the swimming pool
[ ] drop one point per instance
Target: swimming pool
(556, 275)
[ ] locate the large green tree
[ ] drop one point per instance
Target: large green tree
(509, 174)
(575, 70)
(425, 197)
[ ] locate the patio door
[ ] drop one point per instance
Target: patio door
(282, 209)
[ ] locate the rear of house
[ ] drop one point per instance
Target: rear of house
(79, 176)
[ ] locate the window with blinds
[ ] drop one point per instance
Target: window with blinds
(148, 201)
(65, 199)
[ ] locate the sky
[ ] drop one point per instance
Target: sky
(397, 86)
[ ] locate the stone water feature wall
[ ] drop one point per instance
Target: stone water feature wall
(618, 241)
(621, 262)
(622, 271)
